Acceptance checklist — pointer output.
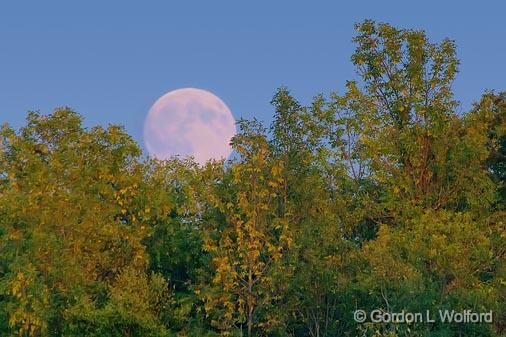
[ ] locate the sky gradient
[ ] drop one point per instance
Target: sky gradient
(111, 60)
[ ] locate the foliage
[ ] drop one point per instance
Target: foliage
(382, 197)
(133, 309)
(64, 215)
(248, 249)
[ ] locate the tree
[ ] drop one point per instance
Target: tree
(416, 145)
(248, 249)
(174, 197)
(439, 260)
(315, 180)
(492, 110)
(64, 216)
(134, 307)
(429, 165)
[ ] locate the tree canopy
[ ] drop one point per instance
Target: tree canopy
(381, 197)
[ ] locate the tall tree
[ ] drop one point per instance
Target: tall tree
(417, 145)
(306, 139)
(429, 166)
(248, 250)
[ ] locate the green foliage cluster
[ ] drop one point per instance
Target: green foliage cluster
(383, 197)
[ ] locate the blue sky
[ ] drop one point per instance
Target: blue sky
(110, 60)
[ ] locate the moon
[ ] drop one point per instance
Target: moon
(189, 122)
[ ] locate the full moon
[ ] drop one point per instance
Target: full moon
(189, 122)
